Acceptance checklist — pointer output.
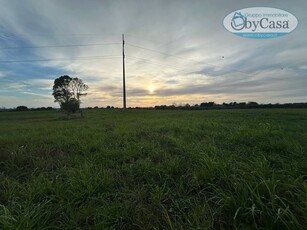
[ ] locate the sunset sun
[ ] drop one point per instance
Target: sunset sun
(151, 88)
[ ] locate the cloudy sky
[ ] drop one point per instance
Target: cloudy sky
(177, 51)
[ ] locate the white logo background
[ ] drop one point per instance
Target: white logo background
(260, 22)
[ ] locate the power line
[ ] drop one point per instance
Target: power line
(186, 59)
(56, 46)
(155, 51)
(60, 59)
(104, 44)
(58, 34)
(159, 64)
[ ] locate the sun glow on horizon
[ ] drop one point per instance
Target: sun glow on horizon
(151, 88)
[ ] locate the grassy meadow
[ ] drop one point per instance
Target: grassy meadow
(149, 169)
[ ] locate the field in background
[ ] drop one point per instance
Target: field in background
(218, 169)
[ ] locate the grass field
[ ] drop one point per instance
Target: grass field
(147, 169)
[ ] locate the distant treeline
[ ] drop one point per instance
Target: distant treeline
(25, 108)
(201, 106)
(231, 105)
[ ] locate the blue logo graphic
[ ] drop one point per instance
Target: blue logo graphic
(238, 21)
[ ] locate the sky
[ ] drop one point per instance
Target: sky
(177, 51)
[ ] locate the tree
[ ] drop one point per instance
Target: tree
(207, 104)
(22, 108)
(67, 92)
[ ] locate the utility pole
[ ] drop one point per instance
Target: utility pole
(124, 80)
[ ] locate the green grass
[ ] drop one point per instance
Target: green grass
(216, 169)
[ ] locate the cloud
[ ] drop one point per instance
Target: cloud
(38, 95)
(2, 75)
(43, 84)
(14, 86)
